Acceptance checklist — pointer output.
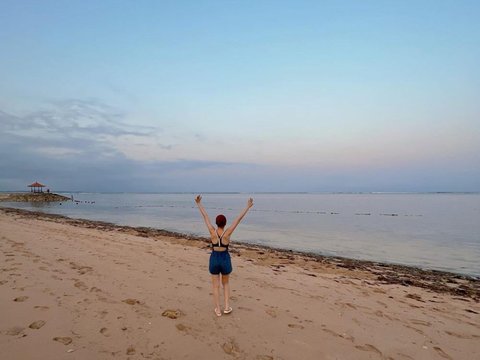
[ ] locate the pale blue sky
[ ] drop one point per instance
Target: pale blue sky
(240, 95)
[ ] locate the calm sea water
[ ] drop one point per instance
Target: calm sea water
(435, 231)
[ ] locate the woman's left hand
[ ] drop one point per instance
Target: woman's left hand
(198, 199)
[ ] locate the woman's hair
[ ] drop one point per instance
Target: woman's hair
(221, 221)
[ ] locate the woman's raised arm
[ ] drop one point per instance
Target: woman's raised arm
(210, 227)
(234, 225)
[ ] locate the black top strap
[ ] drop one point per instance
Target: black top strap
(219, 244)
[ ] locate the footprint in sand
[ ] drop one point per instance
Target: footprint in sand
(467, 310)
(271, 312)
(350, 306)
(172, 314)
(442, 353)
(37, 324)
(63, 340)
(105, 299)
(404, 356)
(80, 269)
(296, 326)
(81, 285)
(414, 297)
(331, 332)
(231, 347)
(41, 307)
(415, 329)
(347, 337)
(368, 347)
(130, 350)
(182, 327)
(382, 303)
(131, 301)
(263, 357)
(415, 306)
(102, 314)
(244, 308)
(14, 331)
(20, 299)
(104, 331)
(420, 322)
(460, 336)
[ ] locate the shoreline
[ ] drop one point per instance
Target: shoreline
(461, 285)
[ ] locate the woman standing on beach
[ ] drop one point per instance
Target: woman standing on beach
(220, 263)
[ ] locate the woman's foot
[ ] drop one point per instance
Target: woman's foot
(227, 310)
(218, 312)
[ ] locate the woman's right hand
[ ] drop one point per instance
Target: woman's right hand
(250, 203)
(198, 199)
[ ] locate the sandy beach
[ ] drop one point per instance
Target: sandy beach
(73, 289)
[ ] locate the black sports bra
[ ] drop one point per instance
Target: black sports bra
(219, 243)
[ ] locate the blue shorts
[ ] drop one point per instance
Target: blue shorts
(220, 263)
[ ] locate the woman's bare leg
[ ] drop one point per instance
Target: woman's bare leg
(226, 290)
(216, 292)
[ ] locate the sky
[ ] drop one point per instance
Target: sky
(245, 96)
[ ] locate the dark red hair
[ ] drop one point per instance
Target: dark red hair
(221, 221)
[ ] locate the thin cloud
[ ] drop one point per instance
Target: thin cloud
(73, 145)
(74, 126)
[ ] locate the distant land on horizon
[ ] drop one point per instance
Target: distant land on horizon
(249, 192)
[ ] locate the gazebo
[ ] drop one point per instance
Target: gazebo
(36, 187)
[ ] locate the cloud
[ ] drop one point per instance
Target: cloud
(87, 145)
(73, 127)
(73, 117)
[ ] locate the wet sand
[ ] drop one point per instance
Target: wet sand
(79, 289)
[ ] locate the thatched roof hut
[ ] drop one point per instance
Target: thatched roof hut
(36, 187)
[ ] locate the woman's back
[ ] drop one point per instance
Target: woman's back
(220, 238)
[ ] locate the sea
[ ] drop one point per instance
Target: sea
(439, 231)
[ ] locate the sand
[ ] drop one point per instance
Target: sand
(71, 290)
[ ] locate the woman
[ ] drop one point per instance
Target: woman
(220, 264)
